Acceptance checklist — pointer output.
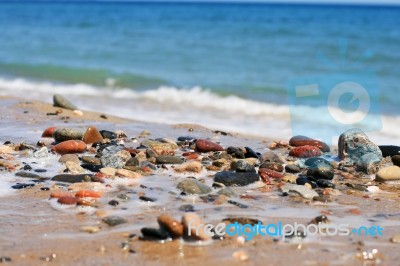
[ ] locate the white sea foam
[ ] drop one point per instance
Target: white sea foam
(196, 105)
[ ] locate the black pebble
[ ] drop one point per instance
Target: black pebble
(325, 183)
(240, 205)
(27, 167)
(20, 186)
(144, 198)
(250, 153)
(45, 188)
(154, 233)
(113, 203)
(5, 259)
(91, 167)
(40, 170)
(187, 208)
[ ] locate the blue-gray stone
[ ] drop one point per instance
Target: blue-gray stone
(368, 163)
(193, 186)
(229, 178)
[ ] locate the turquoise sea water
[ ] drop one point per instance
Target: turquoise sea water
(238, 55)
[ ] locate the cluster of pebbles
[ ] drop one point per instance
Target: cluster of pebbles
(98, 162)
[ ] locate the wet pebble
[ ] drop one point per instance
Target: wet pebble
(325, 183)
(389, 150)
(305, 151)
(67, 200)
(71, 178)
(272, 157)
(154, 233)
(48, 132)
(69, 157)
(303, 141)
(193, 186)
(321, 170)
(74, 168)
(91, 167)
(92, 135)
(305, 192)
(389, 173)
(238, 204)
(113, 220)
(187, 208)
(147, 199)
(22, 185)
(189, 232)
(166, 159)
(61, 101)
(272, 166)
(242, 166)
(27, 175)
(70, 146)
(63, 134)
(192, 167)
(172, 226)
(292, 168)
(91, 160)
(203, 145)
(229, 178)
(113, 203)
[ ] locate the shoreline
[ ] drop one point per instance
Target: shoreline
(35, 227)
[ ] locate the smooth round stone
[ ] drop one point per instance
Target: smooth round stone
(189, 232)
(70, 146)
(67, 200)
(304, 191)
(113, 220)
(193, 186)
(242, 166)
(389, 150)
(302, 180)
(321, 171)
(172, 226)
(74, 168)
(270, 173)
(325, 183)
(272, 166)
(227, 191)
(396, 160)
(69, 158)
(303, 140)
(91, 167)
(63, 134)
(229, 178)
(305, 151)
(272, 157)
(92, 135)
(250, 153)
(154, 233)
(389, 173)
(292, 168)
(108, 134)
(61, 101)
(203, 145)
(190, 167)
(48, 132)
(310, 162)
(91, 160)
(166, 159)
(27, 175)
(71, 178)
(236, 152)
(88, 194)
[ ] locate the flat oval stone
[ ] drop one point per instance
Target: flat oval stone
(321, 171)
(63, 134)
(71, 178)
(174, 227)
(61, 101)
(305, 151)
(154, 233)
(67, 200)
(242, 166)
(190, 167)
(292, 168)
(70, 146)
(48, 132)
(203, 145)
(303, 141)
(193, 186)
(270, 173)
(108, 134)
(166, 159)
(389, 173)
(113, 220)
(69, 158)
(229, 178)
(273, 166)
(389, 150)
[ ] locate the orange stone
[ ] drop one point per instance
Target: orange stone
(87, 194)
(70, 146)
(48, 132)
(67, 200)
(305, 151)
(92, 135)
(203, 145)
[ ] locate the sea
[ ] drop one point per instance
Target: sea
(228, 66)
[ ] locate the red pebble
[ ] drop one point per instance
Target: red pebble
(298, 141)
(305, 151)
(67, 200)
(271, 173)
(70, 146)
(203, 145)
(264, 176)
(87, 194)
(48, 132)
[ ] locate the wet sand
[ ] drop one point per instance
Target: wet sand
(33, 229)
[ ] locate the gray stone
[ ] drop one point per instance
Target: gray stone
(321, 170)
(354, 143)
(292, 168)
(113, 220)
(272, 157)
(193, 186)
(303, 191)
(114, 157)
(62, 102)
(229, 178)
(166, 159)
(242, 166)
(69, 158)
(368, 163)
(27, 175)
(72, 178)
(227, 191)
(63, 134)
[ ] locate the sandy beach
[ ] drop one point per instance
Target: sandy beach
(38, 230)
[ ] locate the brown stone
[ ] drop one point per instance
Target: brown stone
(67, 200)
(298, 141)
(174, 227)
(305, 151)
(203, 145)
(48, 132)
(70, 146)
(92, 135)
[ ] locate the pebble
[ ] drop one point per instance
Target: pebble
(292, 168)
(70, 146)
(27, 175)
(305, 192)
(48, 132)
(113, 203)
(127, 173)
(108, 134)
(396, 160)
(194, 220)
(109, 171)
(42, 153)
(389, 173)
(88, 194)
(192, 167)
(91, 160)
(67, 200)
(90, 229)
(303, 141)
(242, 166)
(69, 158)
(59, 194)
(250, 153)
(147, 199)
(325, 183)
(91, 167)
(203, 145)
(61, 101)
(193, 186)
(229, 178)
(272, 157)
(71, 178)
(22, 185)
(95, 186)
(92, 135)
(310, 162)
(161, 148)
(227, 191)
(172, 226)
(263, 172)
(74, 168)
(187, 208)
(113, 220)
(368, 163)
(321, 170)
(354, 143)
(154, 233)
(167, 159)
(236, 152)
(63, 134)
(305, 151)
(272, 166)
(114, 157)
(289, 178)
(389, 150)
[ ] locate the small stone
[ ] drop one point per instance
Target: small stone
(147, 199)
(395, 239)
(270, 173)
(166, 159)
(90, 160)
(311, 162)
(113, 203)
(242, 166)
(71, 178)
(172, 226)
(109, 171)
(227, 191)
(354, 143)
(74, 168)
(305, 151)
(192, 167)
(368, 163)
(48, 132)
(70, 146)
(88, 194)
(321, 171)
(127, 173)
(154, 233)
(389, 173)
(320, 219)
(67, 200)
(292, 168)
(229, 178)
(298, 141)
(289, 178)
(389, 150)
(272, 157)
(69, 158)
(113, 220)
(325, 183)
(78, 112)
(272, 166)
(111, 157)
(203, 145)
(189, 232)
(90, 229)
(63, 134)
(302, 190)
(193, 186)
(236, 152)
(240, 255)
(42, 153)
(22, 185)
(187, 208)
(396, 160)
(60, 101)
(250, 153)
(108, 134)
(92, 135)
(27, 175)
